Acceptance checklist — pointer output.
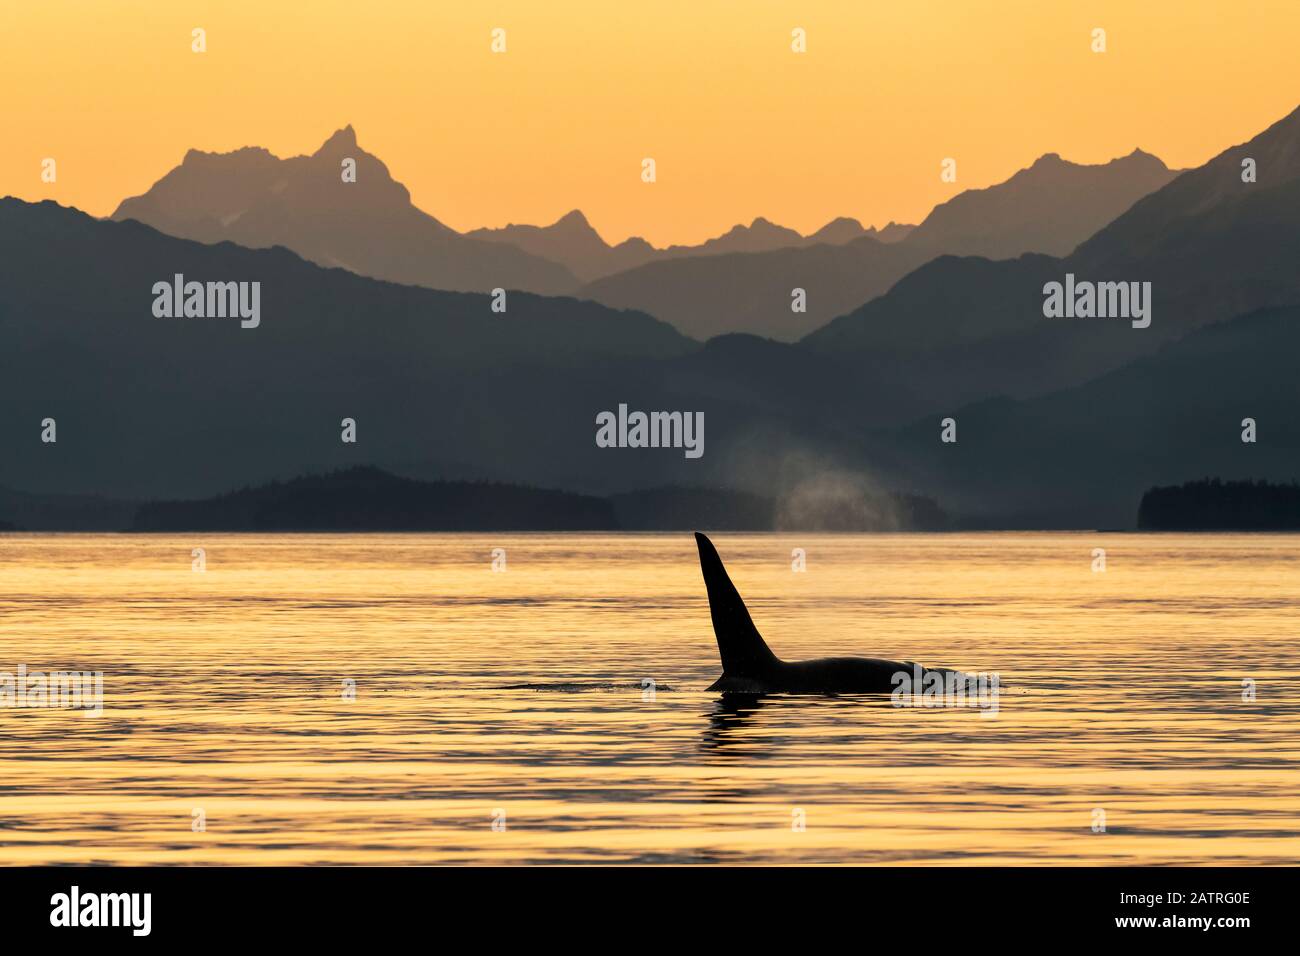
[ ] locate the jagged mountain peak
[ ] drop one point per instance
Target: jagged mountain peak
(339, 141)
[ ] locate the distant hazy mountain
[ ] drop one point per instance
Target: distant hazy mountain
(1086, 454)
(949, 301)
(1048, 208)
(1212, 196)
(369, 226)
(753, 292)
(760, 235)
(572, 242)
(438, 385)
(190, 406)
(1061, 422)
(842, 230)
(1212, 247)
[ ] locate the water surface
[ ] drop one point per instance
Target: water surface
(517, 697)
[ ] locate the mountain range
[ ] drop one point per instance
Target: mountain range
(1212, 245)
(185, 406)
(303, 203)
(370, 227)
(1049, 208)
(573, 242)
(1059, 422)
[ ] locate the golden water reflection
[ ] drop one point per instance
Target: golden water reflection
(518, 696)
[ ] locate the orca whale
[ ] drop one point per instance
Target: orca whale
(750, 667)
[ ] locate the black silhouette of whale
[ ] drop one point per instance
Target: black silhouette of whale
(750, 667)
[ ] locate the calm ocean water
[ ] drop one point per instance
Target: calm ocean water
(516, 698)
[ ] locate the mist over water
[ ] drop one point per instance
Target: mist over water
(480, 692)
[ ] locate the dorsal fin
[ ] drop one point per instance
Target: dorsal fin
(744, 653)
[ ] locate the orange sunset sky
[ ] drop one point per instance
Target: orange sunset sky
(739, 125)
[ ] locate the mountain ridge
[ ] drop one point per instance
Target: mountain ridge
(370, 227)
(1048, 207)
